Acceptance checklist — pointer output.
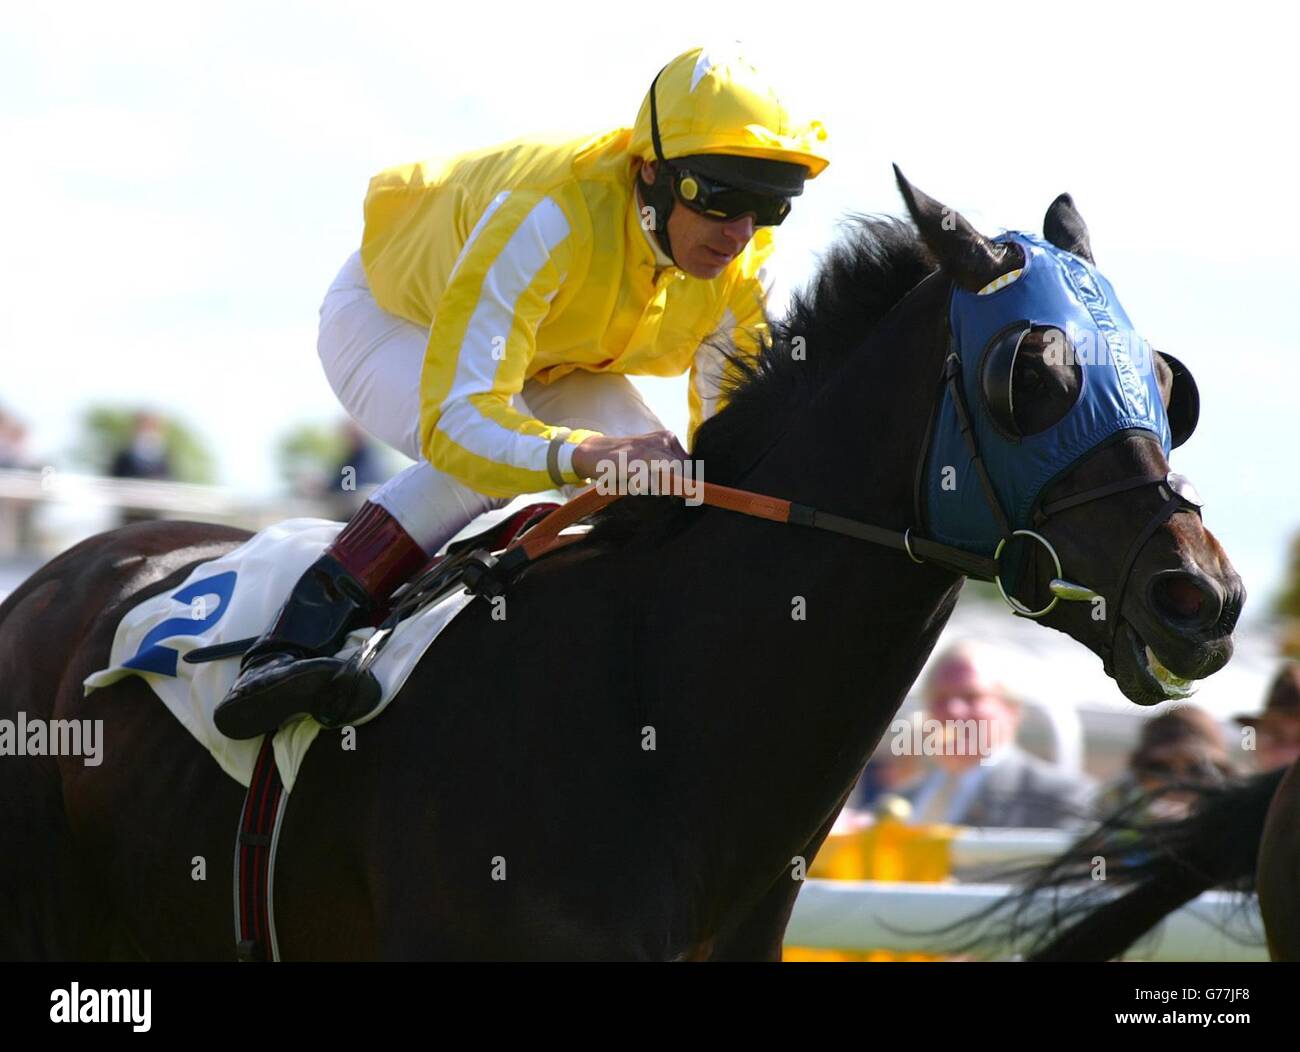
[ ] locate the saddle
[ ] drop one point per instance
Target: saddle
(469, 561)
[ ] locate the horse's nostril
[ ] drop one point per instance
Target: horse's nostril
(1183, 597)
(1186, 599)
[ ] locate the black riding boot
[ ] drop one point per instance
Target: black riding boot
(292, 670)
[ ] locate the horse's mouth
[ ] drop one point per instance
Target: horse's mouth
(1142, 676)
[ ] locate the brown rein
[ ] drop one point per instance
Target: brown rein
(544, 537)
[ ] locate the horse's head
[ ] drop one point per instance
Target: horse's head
(1048, 452)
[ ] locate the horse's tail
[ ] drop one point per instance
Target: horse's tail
(1161, 865)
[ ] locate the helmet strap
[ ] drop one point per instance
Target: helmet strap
(659, 194)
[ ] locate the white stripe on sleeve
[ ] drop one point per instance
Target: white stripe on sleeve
(509, 276)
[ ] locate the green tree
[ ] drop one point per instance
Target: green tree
(307, 455)
(1288, 603)
(104, 430)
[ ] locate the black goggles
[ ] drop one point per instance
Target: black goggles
(719, 201)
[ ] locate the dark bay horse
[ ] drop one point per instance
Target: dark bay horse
(670, 715)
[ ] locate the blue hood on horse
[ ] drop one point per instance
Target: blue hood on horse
(1054, 290)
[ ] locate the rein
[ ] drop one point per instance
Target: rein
(483, 573)
(545, 537)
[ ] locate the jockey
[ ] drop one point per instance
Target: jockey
(488, 324)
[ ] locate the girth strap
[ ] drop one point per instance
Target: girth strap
(254, 871)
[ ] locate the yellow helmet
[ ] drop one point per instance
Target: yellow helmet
(708, 101)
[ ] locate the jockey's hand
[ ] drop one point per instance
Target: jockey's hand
(600, 454)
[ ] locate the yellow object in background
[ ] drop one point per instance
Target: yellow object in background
(887, 850)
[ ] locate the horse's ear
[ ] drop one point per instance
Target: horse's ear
(1065, 228)
(966, 255)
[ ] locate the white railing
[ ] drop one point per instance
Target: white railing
(177, 498)
(973, 848)
(856, 915)
(57, 494)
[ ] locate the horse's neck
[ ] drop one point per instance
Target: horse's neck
(832, 631)
(854, 450)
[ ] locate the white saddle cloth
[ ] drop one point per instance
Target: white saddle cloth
(235, 597)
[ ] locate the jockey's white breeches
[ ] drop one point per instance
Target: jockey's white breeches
(373, 361)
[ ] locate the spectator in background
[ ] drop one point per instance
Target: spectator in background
(145, 456)
(16, 515)
(1277, 728)
(1182, 746)
(13, 443)
(360, 468)
(1004, 786)
(889, 775)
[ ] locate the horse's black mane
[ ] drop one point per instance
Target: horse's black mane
(875, 263)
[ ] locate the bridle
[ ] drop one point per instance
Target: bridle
(1176, 491)
(488, 574)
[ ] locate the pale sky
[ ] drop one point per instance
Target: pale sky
(182, 181)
